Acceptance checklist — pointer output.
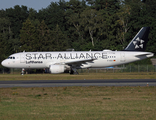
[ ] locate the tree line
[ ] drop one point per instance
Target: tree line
(83, 25)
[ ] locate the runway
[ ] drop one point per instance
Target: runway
(65, 83)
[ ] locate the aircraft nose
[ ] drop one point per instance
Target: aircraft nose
(4, 63)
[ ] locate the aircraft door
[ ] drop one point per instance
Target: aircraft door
(122, 57)
(22, 58)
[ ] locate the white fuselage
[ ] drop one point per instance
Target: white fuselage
(98, 59)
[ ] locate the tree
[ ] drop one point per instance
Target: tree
(75, 31)
(89, 20)
(6, 38)
(148, 19)
(108, 24)
(33, 17)
(44, 41)
(124, 19)
(17, 16)
(53, 15)
(58, 40)
(29, 37)
(142, 13)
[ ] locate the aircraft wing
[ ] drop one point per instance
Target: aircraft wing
(80, 63)
(74, 63)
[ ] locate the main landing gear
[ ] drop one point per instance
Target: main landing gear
(73, 71)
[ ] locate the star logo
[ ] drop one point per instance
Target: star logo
(138, 43)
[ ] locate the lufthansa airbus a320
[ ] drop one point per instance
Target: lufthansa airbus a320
(58, 62)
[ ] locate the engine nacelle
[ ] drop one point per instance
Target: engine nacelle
(57, 69)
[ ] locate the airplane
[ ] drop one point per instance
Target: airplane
(59, 62)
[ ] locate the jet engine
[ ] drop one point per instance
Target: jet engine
(57, 69)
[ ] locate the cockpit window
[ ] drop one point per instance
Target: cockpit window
(11, 57)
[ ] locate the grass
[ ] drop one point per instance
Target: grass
(85, 103)
(81, 76)
(74, 103)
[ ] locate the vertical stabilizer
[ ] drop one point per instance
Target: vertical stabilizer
(139, 41)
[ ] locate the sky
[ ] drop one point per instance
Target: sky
(35, 4)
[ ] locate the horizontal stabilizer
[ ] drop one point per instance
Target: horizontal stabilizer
(148, 54)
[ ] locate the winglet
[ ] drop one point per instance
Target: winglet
(139, 41)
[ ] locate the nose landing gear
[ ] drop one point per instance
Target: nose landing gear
(22, 72)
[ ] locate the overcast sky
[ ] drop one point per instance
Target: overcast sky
(35, 4)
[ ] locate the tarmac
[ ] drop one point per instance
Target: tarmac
(66, 83)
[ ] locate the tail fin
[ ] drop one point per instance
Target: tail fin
(139, 41)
